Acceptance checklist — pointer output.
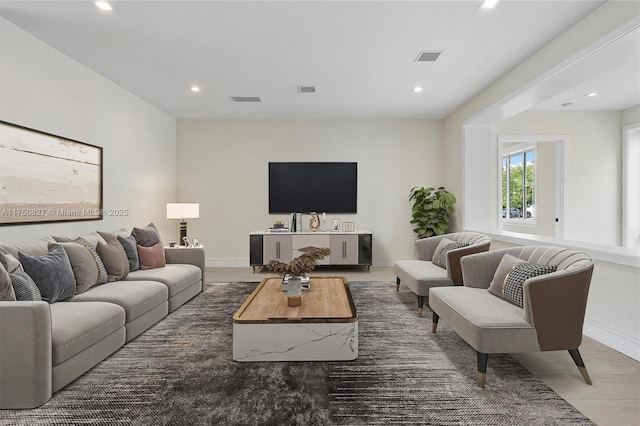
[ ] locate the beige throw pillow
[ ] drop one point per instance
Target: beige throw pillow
(504, 267)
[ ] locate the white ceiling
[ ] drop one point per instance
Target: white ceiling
(359, 54)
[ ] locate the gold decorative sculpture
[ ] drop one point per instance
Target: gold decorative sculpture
(314, 222)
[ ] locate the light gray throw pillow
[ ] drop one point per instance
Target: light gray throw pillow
(504, 267)
(7, 294)
(83, 264)
(147, 236)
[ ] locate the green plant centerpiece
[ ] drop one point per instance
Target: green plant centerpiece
(303, 264)
(431, 210)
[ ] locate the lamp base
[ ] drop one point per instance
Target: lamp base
(183, 232)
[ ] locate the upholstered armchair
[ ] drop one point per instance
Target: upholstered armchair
(485, 312)
(438, 262)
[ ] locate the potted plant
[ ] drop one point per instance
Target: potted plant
(302, 264)
(431, 210)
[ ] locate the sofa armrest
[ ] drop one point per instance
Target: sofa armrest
(25, 354)
(425, 247)
(454, 268)
(189, 256)
(478, 269)
(555, 305)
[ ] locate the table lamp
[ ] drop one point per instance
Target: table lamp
(183, 211)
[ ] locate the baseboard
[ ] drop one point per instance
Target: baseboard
(621, 342)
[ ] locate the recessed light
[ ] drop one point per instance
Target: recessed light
(417, 89)
(591, 95)
(103, 5)
(195, 88)
(488, 4)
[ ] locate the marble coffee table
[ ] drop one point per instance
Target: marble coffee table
(323, 328)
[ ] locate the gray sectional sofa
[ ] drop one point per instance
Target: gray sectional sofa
(45, 346)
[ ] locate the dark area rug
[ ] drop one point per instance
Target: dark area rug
(181, 372)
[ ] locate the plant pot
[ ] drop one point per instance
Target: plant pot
(294, 291)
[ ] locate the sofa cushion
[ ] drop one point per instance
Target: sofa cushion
(33, 248)
(114, 258)
(177, 277)
(92, 238)
(442, 256)
(441, 245)
(52, 274)
(512, 290)
(135, 297)
(7, 294)
(151, 257)
(24, 288)
(130, 247)
(103, 277)
(488, 323)
(421, 275)
(147, 236)
(83, 264)
(504, 267)
(78, 326)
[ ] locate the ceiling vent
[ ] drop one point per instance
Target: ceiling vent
(428, 56)
(245, 99)
(306, 89)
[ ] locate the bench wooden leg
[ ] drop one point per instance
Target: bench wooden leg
(397, 283)
(575, 354)
(434, 324)
(482, 368)
(420, 305)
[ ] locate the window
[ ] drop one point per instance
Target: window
(519, 184)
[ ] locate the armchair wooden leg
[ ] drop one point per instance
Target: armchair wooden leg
(482, 368)
(434, 324)
(420, 305)
(575, 354)
(397, 283)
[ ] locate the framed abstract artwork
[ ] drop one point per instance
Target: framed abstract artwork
(47, 178)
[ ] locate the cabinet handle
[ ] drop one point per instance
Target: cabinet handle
(277, 249)
(344, 249)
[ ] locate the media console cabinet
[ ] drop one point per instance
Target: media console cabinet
(347, 248)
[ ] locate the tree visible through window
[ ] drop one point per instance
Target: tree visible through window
(518, 184)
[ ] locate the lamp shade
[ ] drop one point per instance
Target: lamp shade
(183, 210)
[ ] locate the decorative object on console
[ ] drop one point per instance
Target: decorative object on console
(431, 210)
(302, 264)
(324, 223)
(183, 211)
(335, 225)
(196, 242)
(314, 222)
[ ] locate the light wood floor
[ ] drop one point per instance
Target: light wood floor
(612, 400)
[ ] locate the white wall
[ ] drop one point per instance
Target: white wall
(593, 196)
(222, 165)
(43, 89)
(614, 302)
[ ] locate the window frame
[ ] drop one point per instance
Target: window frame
(518, 148)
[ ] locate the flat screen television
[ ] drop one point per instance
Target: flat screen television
(313, 187)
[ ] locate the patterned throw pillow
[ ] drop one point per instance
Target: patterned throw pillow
(506, 265)
(442, 262)
(103, 277)
(24, 286)
(512, 289)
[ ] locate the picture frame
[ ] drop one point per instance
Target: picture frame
(335, 225)
(187, 242)
(48, 178)
(196, 242)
